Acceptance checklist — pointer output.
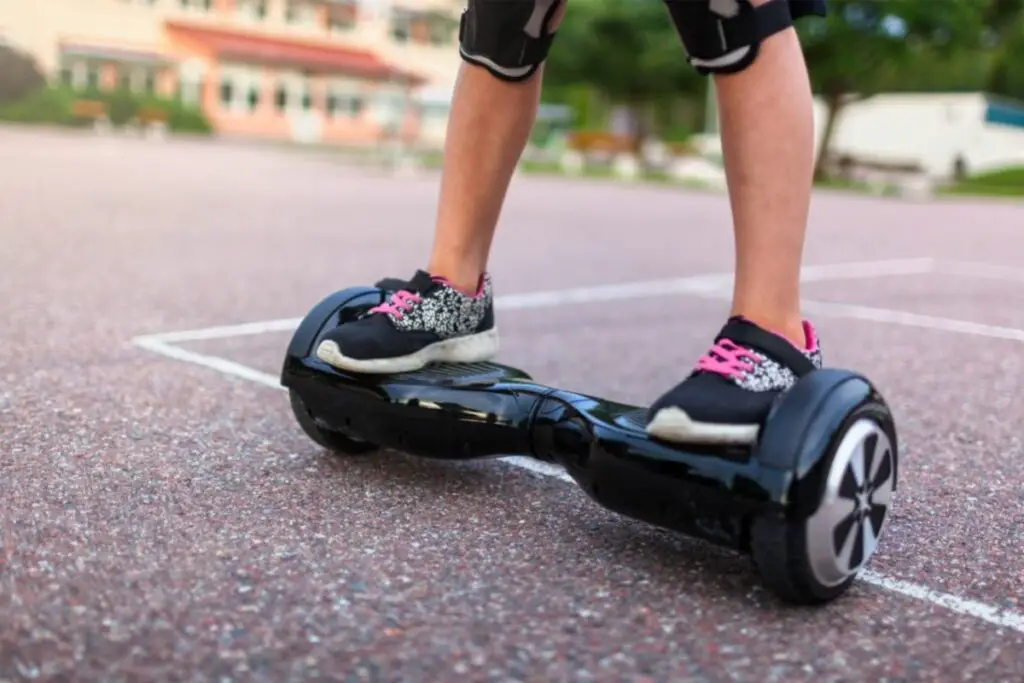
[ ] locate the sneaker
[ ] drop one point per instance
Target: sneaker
(730, 392)
(424, 320)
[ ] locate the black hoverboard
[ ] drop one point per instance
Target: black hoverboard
(808, 502)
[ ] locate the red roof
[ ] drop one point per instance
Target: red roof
(259, 48)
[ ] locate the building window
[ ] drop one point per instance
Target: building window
(190, 92)
(344, 105)
(253, 10)
(300, 12)
(74, 73)
(191, 75)
(92, 77)
(241, 87)
(441, 30)
(292, 92)
(137, 79)
(341, 17)
(401, 27)
(227, 93)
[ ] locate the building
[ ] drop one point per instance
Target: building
(940, 135)
(334, 71)
(945, 135)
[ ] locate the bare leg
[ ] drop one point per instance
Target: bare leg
(488, 127)
(768, 143)
(767, 138)
(445, 313)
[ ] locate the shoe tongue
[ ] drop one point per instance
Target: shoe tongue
(422, 282)
(738, 323)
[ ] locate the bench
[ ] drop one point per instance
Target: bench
(92, 110)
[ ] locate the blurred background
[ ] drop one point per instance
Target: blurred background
(913, 98)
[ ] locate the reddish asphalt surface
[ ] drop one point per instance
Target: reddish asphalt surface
(163, 521)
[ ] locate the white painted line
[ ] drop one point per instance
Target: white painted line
(698, 284)
(930, 322)
(894, 317)
(973, 608)
(994, 615)
(982, 271)
(708, 286)
(225, 331)
(221, 365)
(233, 369)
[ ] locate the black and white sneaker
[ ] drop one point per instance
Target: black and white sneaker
(426, 320)
(726, 397)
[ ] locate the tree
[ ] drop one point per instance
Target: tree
(19, 75)
(627, 50)
(865, 46)
(1004, 20)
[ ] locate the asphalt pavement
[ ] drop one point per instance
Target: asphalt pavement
(163, 518)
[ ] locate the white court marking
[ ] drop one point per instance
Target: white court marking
(712, 286)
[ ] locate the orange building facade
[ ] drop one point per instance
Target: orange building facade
(331, 71)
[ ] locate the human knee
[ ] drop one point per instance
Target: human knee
(509, 38)
(724, 36)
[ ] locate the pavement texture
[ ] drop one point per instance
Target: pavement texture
(164, 521)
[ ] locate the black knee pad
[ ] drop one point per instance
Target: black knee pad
(723, 36)
(509, 38)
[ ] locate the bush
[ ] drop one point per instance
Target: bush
(20, 77)
(44, 105)
(55, 105)
(180, 117)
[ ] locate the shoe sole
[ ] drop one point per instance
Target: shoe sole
(474, 348)
(674, 424)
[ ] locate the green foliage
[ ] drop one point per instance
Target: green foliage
(123, 106)
(25, 97)
(43, 105)
(865, 46)
(54, 105)
(868, 46)
(19, 75)
(1006, 177)
(1005, 22)
(627, 51)
(1007, 182)
(182, 119)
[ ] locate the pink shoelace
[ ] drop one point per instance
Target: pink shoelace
(728, 359)
(398, 304)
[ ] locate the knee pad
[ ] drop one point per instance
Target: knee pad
(509, 38)
(723, 36)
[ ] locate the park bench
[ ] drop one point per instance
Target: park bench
(147, 116)
(92, 110)
(600, 142)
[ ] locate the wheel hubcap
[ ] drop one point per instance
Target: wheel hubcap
(844, 531)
